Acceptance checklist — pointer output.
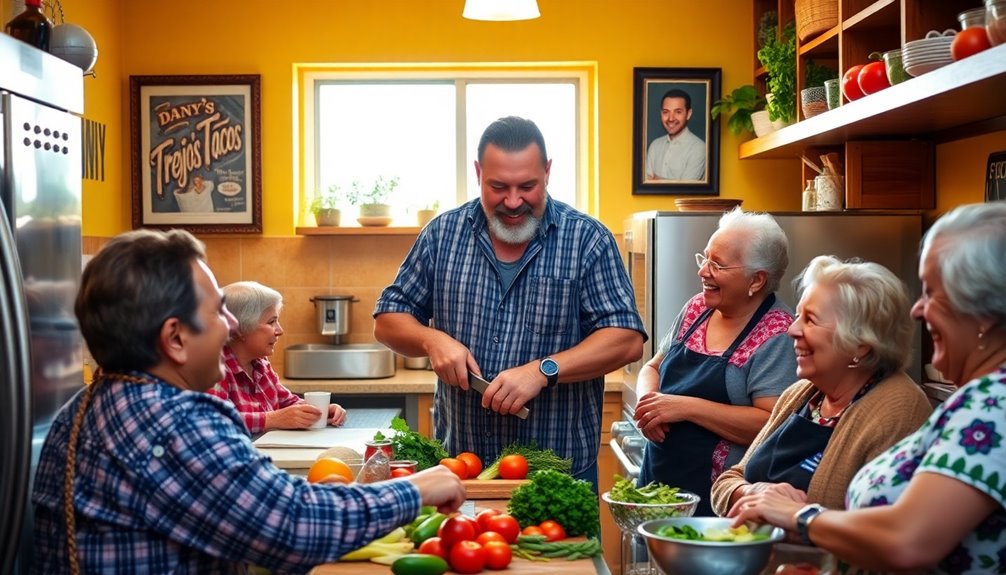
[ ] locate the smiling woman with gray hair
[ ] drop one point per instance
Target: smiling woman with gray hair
(853, 339)
(250, 382)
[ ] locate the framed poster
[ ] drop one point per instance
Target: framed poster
(995, 177)
(196, 152)
(676, 144)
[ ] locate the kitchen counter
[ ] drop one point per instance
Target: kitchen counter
(405, 381)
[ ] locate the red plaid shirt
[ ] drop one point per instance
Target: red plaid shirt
(253, 395)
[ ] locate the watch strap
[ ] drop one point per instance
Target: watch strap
(804, 517)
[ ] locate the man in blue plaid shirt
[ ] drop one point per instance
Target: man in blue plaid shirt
(525, 291)
(163, 476)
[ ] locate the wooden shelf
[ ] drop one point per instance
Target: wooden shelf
(960, 100)
(358, 231)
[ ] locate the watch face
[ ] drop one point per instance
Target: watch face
(549, 367)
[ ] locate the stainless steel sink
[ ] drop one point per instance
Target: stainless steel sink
(348, 361)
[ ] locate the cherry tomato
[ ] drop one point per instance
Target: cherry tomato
(513, 467)
(850, 83)
(434, 546)
(487, 536)
(400, 472)
(506, 526)
(532, 530)
(498, 555)
(467, 557)
(457, 466)
(455, 530)
(472, 463)
(552, 530)
(483, 517)
(968, 42)
(873, 78)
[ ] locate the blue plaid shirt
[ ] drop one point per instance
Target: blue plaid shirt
(570, 282)
(167, 481)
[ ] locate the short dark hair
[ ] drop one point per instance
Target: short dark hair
(131, 287)
(512, 134)
(677, 93)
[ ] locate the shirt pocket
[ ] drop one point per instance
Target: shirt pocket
(550, 305)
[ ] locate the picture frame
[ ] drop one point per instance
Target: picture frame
(661, 165)
(196, 152)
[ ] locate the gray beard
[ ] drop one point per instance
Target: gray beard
(514, 235)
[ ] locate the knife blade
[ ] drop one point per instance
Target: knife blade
(481, 385)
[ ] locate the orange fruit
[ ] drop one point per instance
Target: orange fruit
(472, 463)
(329, 466)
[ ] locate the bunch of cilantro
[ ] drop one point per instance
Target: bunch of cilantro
(409, 444)
(625, 491)
(554, 495)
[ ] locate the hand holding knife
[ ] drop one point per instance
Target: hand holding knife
(480, 385)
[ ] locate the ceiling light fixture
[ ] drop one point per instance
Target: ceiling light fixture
(501, 10)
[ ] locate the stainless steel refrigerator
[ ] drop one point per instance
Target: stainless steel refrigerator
(41, 354)
(661, 247)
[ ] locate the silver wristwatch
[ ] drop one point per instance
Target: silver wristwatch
(804, 517)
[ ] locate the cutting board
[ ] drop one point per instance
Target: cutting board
(518, 565)
(491, 488)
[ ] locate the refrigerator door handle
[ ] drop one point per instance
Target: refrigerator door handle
(15, 398)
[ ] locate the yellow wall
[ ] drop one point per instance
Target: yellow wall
(960, 178)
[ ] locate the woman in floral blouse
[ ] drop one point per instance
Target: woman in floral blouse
(250, 382)
(935, 500)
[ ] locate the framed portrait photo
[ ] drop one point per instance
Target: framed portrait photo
(196, 152)
(676, 144)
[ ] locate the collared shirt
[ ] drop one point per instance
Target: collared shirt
(571, 282)
(168, 481)
(680, 158)
(252, 394)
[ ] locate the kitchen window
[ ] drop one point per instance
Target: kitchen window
(423, 126)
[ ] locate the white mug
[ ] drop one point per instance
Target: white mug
(319, 399)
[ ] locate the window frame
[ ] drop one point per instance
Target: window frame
(311, 77)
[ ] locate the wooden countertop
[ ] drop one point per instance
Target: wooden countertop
(404, 381)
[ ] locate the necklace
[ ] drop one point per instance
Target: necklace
(817, 401)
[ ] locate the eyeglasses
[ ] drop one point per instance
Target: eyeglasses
(701, 260)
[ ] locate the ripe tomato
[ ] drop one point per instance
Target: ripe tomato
(850, 83)
(467, 557)
(327, 466)
(532, 530)
(873, 78)
(484, 516)
(474, 523)
(472, 463)
(552, 530)
(455, 530)
(968, 42)
(513, 467)
(457, 466)
(506, 526)
(498, 555)
(434, 546)
(400, 472)
(487, 536)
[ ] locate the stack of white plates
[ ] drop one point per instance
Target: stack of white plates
(927, 54)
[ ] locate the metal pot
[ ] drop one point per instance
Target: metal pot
(416, 362)
(332, 313)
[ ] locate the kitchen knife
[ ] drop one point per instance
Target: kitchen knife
(481, 385)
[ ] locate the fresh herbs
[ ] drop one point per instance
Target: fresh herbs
(740, 534)
(537, 460)
(409, 444)
(779, 58)
(625, 491)
(554, 495)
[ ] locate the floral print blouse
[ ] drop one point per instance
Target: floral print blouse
(964, 440)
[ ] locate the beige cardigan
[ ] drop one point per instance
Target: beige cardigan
(894, 408)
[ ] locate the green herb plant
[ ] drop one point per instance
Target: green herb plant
(779, 58)
(814, 75)
(537, 459)
(408, 444)
(326, 200)
(551, 494)
(740, 104)
(379, 193)
(625, 491)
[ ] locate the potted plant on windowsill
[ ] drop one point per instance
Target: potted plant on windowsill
(325, 207)
(427, 213)
(373, 203)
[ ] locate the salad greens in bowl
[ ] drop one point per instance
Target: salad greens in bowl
(631, 506)
(708, 545)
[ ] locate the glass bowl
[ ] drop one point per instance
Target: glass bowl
(995, 21)
(707, 557)
(629, 516)
(974, 18)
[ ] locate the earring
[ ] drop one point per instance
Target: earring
(854, 363)
(750, 293)
(981, 343)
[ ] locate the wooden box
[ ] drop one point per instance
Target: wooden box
(890, 174)
(491, 488)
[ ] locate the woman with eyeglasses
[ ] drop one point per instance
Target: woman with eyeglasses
(853, 339)
(710, 388)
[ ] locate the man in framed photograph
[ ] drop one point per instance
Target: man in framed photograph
(679, 154)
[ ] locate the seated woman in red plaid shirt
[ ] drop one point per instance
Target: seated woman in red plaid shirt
(250, 382)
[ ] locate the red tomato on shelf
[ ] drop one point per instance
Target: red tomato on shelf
(850, 83)
(873, 78)
(969, 42)
(467, 557)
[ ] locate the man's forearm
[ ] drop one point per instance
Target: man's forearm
(402, 333)
(603, 351)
